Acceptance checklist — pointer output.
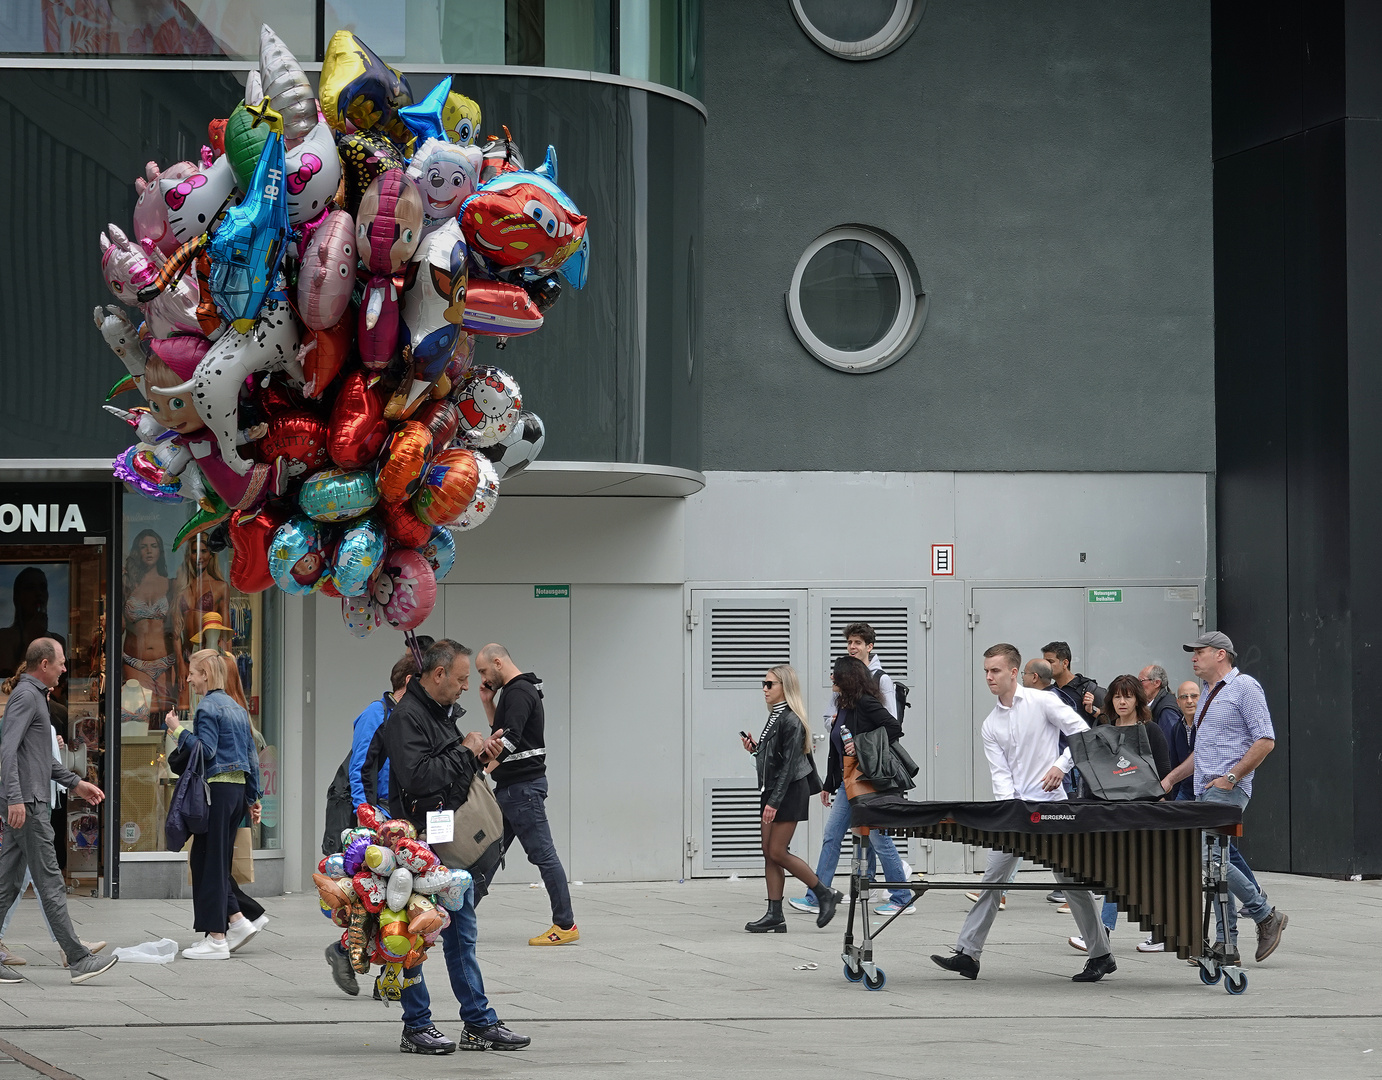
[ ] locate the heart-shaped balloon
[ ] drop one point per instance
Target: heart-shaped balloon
(251, 534)
(323, 355)
(357, 429)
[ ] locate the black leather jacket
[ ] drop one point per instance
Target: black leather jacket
(869, 713)
(781, 756)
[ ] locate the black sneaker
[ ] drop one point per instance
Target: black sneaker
(960, 963)
(341, 972)
(426, 1040)
(494, 1037)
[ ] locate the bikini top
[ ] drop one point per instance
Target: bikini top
(138, 610)
(206, 603)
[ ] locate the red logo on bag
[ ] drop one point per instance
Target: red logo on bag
(1036, 817)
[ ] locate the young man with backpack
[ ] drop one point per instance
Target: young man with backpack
(859, 642)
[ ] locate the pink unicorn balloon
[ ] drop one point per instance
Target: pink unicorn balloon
(129, 267)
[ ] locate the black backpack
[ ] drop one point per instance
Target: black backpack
(900, 693)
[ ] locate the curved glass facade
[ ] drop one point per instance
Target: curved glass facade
(612, 372)
(648, 40)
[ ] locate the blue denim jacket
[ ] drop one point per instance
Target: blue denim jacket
(223, 729)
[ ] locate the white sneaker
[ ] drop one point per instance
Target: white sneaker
(261, 922)
(1151, 946)
(208, 949)
(1077, 942)
(240, 932)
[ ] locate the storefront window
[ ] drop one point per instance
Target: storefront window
(175, 603)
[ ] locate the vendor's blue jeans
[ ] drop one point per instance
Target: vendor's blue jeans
(836, 825)
(458, 943)
(1240, 888)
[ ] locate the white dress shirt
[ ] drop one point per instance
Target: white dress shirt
(1022, 742)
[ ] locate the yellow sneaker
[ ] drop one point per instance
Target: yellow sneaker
(557, 936)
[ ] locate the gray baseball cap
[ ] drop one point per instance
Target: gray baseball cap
(1212, 640)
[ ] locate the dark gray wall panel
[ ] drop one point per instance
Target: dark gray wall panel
(1048, 166)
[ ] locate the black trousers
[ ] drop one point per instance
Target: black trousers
(250, 908)
(213, 899)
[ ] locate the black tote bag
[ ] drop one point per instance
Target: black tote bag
(189, 811)
(1116, 762)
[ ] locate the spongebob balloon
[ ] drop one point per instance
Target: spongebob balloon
(461, 119)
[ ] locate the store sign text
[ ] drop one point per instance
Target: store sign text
(41, 518)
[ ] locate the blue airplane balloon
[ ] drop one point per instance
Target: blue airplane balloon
(247, 249)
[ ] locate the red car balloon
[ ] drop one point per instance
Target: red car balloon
(521, 224)
(357, 429)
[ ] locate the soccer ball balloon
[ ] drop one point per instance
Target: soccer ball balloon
(520, 449)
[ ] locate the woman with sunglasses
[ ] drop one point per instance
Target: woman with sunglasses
(786, 781)
(1125, 705)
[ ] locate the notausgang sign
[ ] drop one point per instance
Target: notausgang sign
(53, 513)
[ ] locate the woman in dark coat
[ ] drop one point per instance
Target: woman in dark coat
(786, 781)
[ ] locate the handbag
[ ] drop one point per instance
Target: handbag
(880, 762)
(1116, 762)
(242, 861)
(479, 825)
(189, 810)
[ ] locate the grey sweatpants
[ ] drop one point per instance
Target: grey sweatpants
(980, 918)
(32, 846)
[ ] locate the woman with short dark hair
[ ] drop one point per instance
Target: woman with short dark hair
(786, 781)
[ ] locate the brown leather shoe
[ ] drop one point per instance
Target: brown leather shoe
(1269, 934)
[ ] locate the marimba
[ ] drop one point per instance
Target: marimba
(1165, 864)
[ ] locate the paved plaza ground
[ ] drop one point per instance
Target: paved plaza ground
(665, 983)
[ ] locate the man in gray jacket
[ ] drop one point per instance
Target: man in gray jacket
(27, 766)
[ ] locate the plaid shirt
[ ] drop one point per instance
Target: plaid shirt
(1236, 719)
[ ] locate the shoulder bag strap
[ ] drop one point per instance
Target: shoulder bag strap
(1205, 712)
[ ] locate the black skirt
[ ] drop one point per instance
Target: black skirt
(796, 803)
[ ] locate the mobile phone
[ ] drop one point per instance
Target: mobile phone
(746, 735)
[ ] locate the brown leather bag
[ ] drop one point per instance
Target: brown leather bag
(856, 784)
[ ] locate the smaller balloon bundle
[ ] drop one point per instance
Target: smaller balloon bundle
(310, 295)
(390, 894)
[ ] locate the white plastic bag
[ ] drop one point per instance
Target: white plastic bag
(162, 951)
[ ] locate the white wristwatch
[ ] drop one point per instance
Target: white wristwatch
(1232, 780)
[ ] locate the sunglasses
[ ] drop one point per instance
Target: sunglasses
(768, 684)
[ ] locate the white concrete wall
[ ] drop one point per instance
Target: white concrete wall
(631, 564)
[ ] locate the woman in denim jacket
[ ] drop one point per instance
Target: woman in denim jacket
(232, 773)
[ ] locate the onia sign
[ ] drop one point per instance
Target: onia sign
(53, 513)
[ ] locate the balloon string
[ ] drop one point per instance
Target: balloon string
(410, 639)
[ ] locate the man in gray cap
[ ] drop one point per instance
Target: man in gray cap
(1232, 735)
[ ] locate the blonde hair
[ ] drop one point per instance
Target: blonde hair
(214, 664)
(791, 690)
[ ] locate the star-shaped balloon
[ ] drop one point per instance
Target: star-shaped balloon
(424, 118)
(263, 113)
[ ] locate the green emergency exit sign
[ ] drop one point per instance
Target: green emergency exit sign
(551, 592)
(1105, 596)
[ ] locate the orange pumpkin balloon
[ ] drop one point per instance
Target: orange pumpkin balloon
(405, 456)
(447, 487)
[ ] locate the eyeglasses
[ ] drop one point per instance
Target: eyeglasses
(768, 684)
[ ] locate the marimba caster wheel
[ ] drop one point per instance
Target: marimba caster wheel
(1208, 977)
(1236, 986)
(852, 975)
(877, 982)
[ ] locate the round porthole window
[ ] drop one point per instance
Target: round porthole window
(860, 29)
(856, 300)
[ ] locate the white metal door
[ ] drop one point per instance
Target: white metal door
(736, 635)
(899, 620)
(537, 633)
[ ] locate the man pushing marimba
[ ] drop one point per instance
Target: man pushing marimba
(1022, 743)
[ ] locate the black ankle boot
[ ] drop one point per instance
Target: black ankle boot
(827, 898)
(772, 921)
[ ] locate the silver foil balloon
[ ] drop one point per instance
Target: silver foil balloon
(286, 85)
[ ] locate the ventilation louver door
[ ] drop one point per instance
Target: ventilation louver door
(744, 641)
(732, 824)
(891, 626)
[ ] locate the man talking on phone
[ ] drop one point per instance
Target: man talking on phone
(513, 702)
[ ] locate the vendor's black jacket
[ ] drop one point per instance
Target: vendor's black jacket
(867, 714)
(781, 756)
(429, 769)
(519, 714)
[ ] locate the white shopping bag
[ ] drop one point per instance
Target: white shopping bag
(162, 951)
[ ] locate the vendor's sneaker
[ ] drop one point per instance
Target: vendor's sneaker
(92, 966)
(1151, 946)
(494, 1037)
(557, 936)
(426, 1040)
(893, 909)
(805, 903)
(208, 949)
